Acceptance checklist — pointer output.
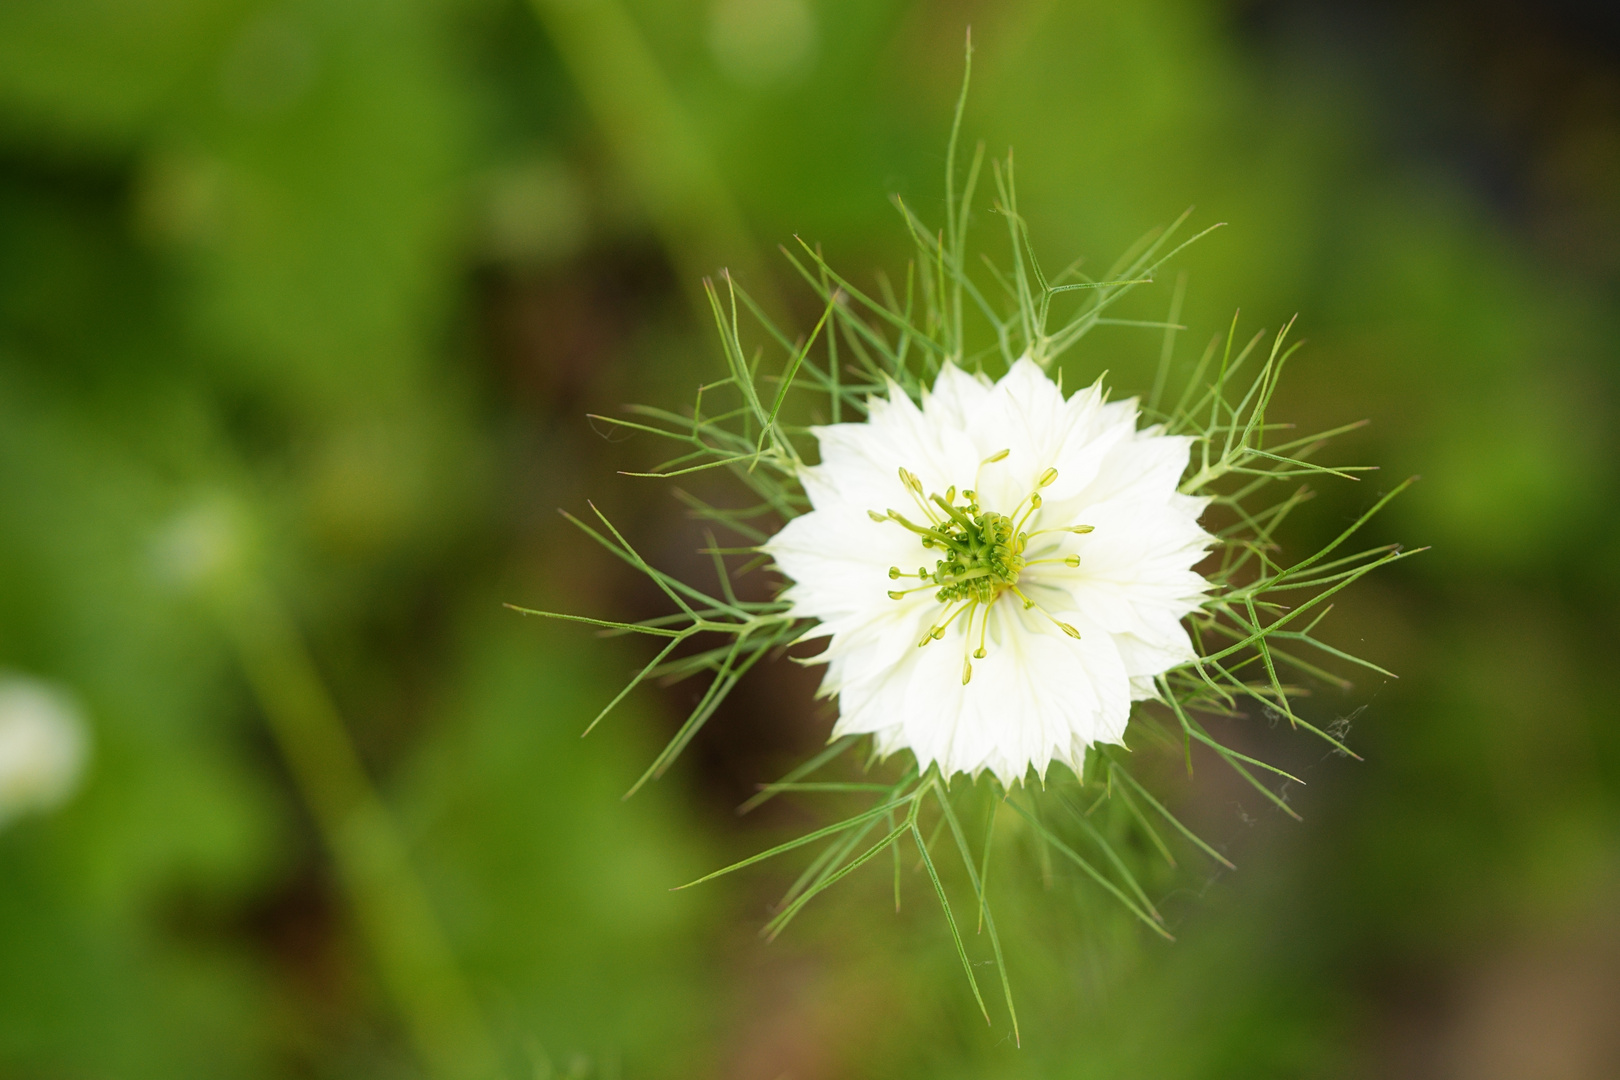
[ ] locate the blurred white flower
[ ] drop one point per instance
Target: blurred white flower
(1049, 558)
(43, 746)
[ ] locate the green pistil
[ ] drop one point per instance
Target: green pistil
(984, 554)
(982, 558)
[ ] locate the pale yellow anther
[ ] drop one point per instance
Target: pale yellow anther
(877, 517)
(967, 671)
(1047, 477)
(1035, 501)
(894, 572)
(999, 455)
(1067, 629)
(895, 595)
(1071, 561)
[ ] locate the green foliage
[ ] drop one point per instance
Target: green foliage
(1260, 612)
(352, 267)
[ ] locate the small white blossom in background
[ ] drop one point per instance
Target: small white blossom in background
(43, 747)
(1000, 572)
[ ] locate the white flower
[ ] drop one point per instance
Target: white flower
(1049, 558)
(42, 746)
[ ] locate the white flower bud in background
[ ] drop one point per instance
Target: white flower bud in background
(43, 746)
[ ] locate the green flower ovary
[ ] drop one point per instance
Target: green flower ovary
(984, 551)
(983, 556)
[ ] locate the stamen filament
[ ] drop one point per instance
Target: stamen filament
(932, 534)
(1078, 530)
(1034, 505)
(999, 455)
(896, 594)
(914, 488)
(1060, 624)
(938, 632)
(967, 639)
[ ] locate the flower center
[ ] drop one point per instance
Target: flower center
(982, 555)
(983, 551)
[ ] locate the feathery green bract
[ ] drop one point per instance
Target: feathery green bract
(1257, 622)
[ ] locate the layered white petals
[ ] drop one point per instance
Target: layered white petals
(1038, 695)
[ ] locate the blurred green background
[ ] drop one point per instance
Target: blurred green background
(301, 309)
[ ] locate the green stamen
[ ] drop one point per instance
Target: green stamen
(983, 555)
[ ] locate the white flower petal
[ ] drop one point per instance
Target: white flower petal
(1038, 695)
